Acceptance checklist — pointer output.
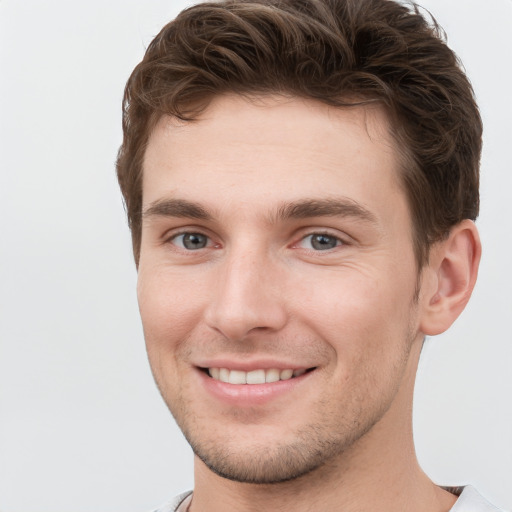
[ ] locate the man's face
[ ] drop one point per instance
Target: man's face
(277, 250)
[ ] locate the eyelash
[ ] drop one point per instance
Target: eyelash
(175, 236)
(208, 241)
(338, 241)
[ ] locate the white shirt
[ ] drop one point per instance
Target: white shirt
(469, 501)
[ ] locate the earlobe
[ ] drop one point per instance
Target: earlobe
(449, 278)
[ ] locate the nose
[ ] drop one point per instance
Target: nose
(248, 297)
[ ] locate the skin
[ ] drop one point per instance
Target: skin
(258, 290)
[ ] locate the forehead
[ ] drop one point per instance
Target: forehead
(262, 149)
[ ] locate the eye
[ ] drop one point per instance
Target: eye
(191, 241)
(320, 242)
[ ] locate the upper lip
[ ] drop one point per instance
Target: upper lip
(256, 364)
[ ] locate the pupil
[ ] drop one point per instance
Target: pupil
(194, 241)
(323, 242)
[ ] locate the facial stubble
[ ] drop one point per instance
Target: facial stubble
(320, 442)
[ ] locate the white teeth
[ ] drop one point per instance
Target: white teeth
(286, 374)
(254, 376)
(272, 375)
(237, 377)
(215, 373)
(224, 375)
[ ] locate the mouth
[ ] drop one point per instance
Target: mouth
(258, 376)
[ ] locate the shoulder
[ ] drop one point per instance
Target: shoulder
(173, 505)
(470, 500)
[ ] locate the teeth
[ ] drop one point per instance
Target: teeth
(272, 375)
(254, 376)
(224, 375)
(237, 377)
(286, 374)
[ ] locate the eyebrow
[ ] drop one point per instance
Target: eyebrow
(176, 208)
(301, 209)
(338, 207)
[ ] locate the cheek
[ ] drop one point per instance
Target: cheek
(169, 306)
(365, 319)
(344, 300)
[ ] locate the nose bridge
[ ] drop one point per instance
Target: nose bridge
(247, 296)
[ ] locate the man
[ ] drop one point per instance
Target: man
(301, 181)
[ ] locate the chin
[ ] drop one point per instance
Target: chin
(262, 465)
(269, 461)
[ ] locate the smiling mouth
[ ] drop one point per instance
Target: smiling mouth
(261, 376)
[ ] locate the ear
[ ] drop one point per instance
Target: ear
(449, 278)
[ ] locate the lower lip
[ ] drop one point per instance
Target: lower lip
(250, 394)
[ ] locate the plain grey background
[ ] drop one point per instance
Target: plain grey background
(82, 427)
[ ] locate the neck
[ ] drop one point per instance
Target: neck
(379, 472)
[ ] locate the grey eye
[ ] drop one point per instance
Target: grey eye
(191, 241)
(322, 242)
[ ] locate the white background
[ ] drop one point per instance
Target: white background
(82, 427)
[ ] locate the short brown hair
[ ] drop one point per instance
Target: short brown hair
(332, 51)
